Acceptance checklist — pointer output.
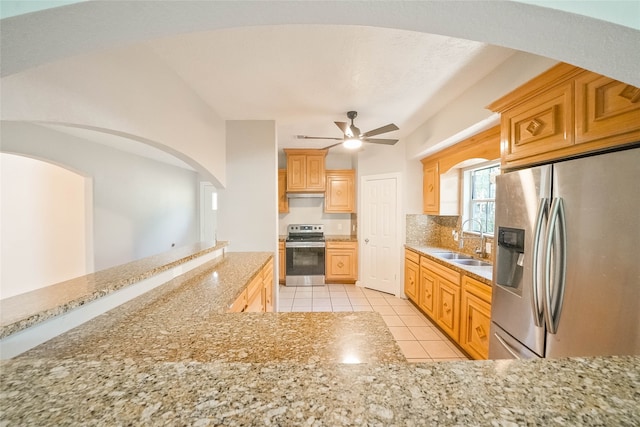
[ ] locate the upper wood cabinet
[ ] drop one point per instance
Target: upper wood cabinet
(441, 183)
(340, 196)
(283, 201)
(566, 111)
(342, 262)
(305, 170)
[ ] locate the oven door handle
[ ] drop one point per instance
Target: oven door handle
(304, 244)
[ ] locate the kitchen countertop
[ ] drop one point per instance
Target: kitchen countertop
(330, 238)
(25, 310)
(482, 274)
(171, 357)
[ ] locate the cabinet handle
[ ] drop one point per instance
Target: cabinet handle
(340, 264)
(480, 331)
(430, 188)
(446, 307)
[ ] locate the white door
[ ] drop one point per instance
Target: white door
(379, 233)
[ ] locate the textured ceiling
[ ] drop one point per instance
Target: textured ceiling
(306, 77)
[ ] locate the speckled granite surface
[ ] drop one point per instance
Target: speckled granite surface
(585, 392)
(482, 274)
(22, 311)
(171, 357)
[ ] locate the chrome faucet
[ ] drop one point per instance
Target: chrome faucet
(481, 250)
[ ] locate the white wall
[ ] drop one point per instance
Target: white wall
(248, 206)
(43, 224)
(141, 207)
(131, 93)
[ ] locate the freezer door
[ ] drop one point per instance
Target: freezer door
(504, 346)
(519, 195)
(600, 314)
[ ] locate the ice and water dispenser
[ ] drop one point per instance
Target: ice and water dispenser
(510, 258)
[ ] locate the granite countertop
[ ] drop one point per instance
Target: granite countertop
(482, 274)
(173, 357)
(330, 238)
(587, 392)
(25, 310)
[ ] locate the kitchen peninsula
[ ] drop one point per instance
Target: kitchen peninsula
(173, 356)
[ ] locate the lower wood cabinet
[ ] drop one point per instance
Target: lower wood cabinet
(411, 274)
(341, 262)
(458, 304)
(475, 318)
(258, 295)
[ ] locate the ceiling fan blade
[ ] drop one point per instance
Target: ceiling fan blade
(318, 137)
(384, 129)
(380, 141)
(331, 146)
(342, 126)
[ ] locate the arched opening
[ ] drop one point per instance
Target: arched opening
(46, 224)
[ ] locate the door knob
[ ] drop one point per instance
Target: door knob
(366, 240)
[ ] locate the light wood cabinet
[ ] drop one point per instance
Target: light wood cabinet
(564, 112)
(240, 304)
(447, 297)
(258, 295)
(606, 109)
(305, 170)
(340, 195)
(283, 201)
(411, 274)
(341, 262)
(267, 287)
(431, 189)
(426, 300)
(441, 180)
(475, 318)
(282, 262)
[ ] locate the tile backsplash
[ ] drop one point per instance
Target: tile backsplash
(432, 230)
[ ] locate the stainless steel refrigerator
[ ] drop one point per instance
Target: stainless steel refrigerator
(567, 271)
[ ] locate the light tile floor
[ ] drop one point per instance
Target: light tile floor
(418, 338)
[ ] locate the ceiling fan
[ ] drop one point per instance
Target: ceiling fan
(353, 138)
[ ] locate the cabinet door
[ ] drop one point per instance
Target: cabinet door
(254, 295)
(240, 304)
(411, 277)
(427, 292)
(476, 321)
(283, 201)
(296, 172)
(315, 172)
(340, 194)
(539, 126)
(606, 109)
(342, 262)
(431, 189)
(448, 307)
(282, 263)
(267, 283)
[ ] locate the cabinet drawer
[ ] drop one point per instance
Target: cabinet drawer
(451, 275)
(412, 256)
(342, 245)
(477, 288)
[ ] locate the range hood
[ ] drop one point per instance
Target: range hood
(305, 195)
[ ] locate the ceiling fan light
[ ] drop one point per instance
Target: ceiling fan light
(352, 143)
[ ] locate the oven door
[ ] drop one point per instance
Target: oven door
(305, 263)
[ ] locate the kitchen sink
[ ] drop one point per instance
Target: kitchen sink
(452, 255)
(472, 262)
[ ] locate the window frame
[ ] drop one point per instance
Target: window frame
(467, 202)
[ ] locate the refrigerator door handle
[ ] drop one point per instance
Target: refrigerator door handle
(553, 309)
(536, 302)
(507, 347)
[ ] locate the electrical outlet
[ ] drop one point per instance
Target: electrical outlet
(339, 227)
(487, 247)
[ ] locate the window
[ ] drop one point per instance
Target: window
(479, 197)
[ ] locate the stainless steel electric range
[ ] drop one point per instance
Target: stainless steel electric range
(305, 255)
